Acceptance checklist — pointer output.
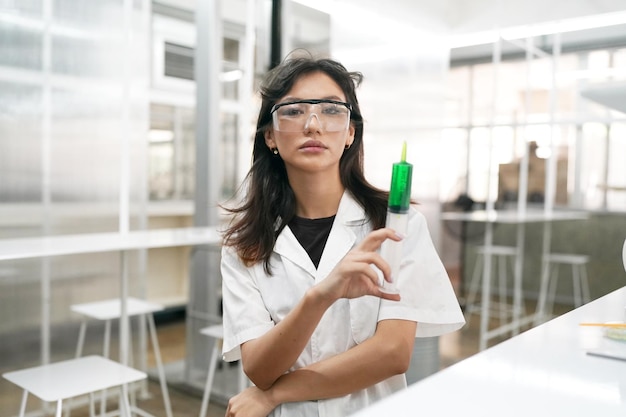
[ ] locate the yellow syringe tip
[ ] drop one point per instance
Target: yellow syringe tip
(403, 159)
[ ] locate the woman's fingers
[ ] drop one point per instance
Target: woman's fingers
(387, 295)
(370, 245)
(373, 282)
(368, 259)
(362, 270)
(376, 238)
(358, 273)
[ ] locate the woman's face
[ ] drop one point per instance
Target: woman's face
(309, 138)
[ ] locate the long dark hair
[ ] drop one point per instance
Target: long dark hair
(268, 201)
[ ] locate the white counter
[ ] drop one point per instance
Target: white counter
(542, 372)
(39, 247)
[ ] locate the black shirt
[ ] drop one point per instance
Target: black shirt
(312, 235)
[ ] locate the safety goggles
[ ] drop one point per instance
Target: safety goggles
(294, 116)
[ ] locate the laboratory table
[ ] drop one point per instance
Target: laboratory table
(544, 372)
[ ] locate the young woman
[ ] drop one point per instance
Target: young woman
(303, 308)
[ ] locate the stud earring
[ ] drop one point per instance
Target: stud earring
(274, 151)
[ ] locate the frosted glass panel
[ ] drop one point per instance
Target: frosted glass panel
(26, 8)
(20, 48)
(85, 162)
(86, 57)
(20, 138)
(92, 15)
(74, 90)
(67, 123)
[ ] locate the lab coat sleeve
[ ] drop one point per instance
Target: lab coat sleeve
(244, 314)
(427, 296)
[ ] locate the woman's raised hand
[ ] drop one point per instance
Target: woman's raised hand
(354, 275)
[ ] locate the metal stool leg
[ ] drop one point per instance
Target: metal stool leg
(79, 351)
(59, 408)
(473, 289)
(501, 266)
(81, 338)
(105, 353)
(92, 411)
(23, 403)
(243, 378)
(584, 284)
(157, 355)
(552, 289)
(576, 285)
(209, 379)
(540, 312)
(125, 407)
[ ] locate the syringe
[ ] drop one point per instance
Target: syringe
(397, 217)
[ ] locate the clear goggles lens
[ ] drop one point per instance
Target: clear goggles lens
(334, 116)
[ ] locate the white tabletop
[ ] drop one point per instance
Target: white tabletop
(512, 216)
(34, 247)
(545, 371)
(74, 377)
(112, 309)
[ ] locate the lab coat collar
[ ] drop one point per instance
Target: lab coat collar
(341, 239)
(350, 211)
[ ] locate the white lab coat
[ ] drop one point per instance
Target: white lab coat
(255, 302)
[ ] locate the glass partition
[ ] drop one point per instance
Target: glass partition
(73, 123)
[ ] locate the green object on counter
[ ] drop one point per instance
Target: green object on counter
(400, 192)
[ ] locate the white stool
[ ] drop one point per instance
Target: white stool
(108, 310)
(502, 308)
(580, 282)
(216, 332)
(75, 377)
